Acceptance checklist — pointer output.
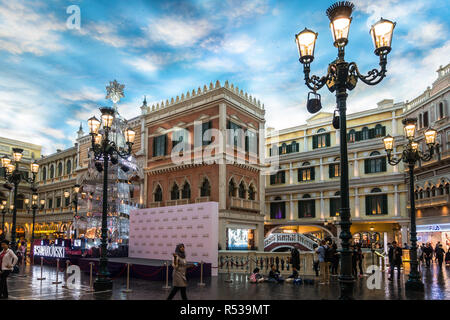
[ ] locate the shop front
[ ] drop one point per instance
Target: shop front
(377, 234)
(434, 233)
(240, 237)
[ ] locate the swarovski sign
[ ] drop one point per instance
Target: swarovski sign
(50, 251)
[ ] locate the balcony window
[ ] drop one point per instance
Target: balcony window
(158, 194)
(278, 177)
(374, 165)
(335, 205)
(251, 142)
(352, 135)
(60, 169)
(52, 172)
(321, 139)
(159, 146)
(306, 174)
(205, 189)
(376, 204)
(242, 190)
(186, 191)
(175, 192)
(334, 169)
(68, 167)
(278, 209)
(307, 207)
(235, 134)
(180, 136)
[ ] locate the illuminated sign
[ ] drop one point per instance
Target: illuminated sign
(434, 227)
(49, 251)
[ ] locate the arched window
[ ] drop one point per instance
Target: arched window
(433, 191)
(334, 169)
(60, 169)
(242, 190)
(379, 130)
(158, 194)
(374, 165)
(186, 191)
(335, 204)
(352, 135)
(52, 171)
(175, 192)
(365, 133)
(376, 204)
(416, 195)
(428, 193)
(68, 167)
(294, 146)
(307, 207)
(421, 194)
(44, 174)
(441, 110)
(278, 209)
(205, 189)
(278, 177)
(251, 192)
(441, 190)
(306, 174)
(232, 188)
(283, 148)
(322, 139)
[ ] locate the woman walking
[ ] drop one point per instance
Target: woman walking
(179, 272)
(7, 261)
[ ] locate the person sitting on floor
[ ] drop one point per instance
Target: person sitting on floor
(293, 276)
(256, 277)
(274, 275)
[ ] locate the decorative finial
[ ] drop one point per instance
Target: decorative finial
(114, 91)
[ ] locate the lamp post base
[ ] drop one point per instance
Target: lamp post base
(414, 285)
(346, 283)
(102, 284)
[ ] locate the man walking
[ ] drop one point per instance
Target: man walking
(395, 260)
(323, 264)
(439, 252)
(428, 252)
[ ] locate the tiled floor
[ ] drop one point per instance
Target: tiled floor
(26, 286)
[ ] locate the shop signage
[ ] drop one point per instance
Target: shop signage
(434, 227)
(49, 251)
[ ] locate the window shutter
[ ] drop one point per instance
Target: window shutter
(368, 208)
(327, 139)
(367, 166)
(246, 143)
(270, 152)
(331, 171)
(300, 175)
(313, 173)
(280, 149)
(358, 136)
(383, 131)
(371, 133)
(314, 142)
(348, 137)
(154, 146)
(383, 164)
(313, 206)
(282, 177)
(385, 204)
(272, 179)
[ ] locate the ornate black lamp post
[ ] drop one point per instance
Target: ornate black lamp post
(105, 149)
(13, 175)
(410, 155)
(76, 190)
(343, 76)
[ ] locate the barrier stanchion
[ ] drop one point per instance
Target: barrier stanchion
(127, 290)
(167, 276)
(42, 262)
(229, 274)
(201, 283)
(91, 284)
(57, 273)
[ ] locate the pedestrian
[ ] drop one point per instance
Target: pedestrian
(405, 246)
(395, 260)
(7, 261)
(293, 276)
(179, 280)
(274, 275)
(420, 253)
(447, 257)
(334, 260)
(440, 255)
(316, 260)
(428, 252)
(295, 258)
(323, 264)
(359, 259)
(256, 277)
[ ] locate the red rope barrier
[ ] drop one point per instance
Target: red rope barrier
(120, 273)
(146, 275)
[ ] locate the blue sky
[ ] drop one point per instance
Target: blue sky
(53, 77)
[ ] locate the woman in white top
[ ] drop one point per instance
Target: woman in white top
(7, 261)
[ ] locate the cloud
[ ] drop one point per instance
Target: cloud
(106, 33)
(84, 94)
(426, 34)
(178, 32)
(23, 29)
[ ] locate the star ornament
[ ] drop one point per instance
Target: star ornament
(115, 91)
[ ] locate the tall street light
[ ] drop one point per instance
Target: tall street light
(33, 207)
(13, 176)
(105, 149)
(410, 155)
(76, 190)
(343, 76)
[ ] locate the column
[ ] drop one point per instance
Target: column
(305, 141)
(291, 207)
(357, 209)
(395, 167)
(321, 169)
(322, 205)
(262, 177)
(356, 165)
(394, 124)
(396, 202)
(291, 174)
(222, 161)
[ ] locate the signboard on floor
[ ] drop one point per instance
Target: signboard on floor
(155, 232)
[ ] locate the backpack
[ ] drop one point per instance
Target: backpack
(253, 278)
(328, 254)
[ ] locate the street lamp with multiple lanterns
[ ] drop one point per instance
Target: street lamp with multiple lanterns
(13, 176)
(33, 207)
(410, 155)
(343, 76)
(76, 190)
(105, 150)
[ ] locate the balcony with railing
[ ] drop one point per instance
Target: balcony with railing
(244, 204)
(437, 201)
(275, 239)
